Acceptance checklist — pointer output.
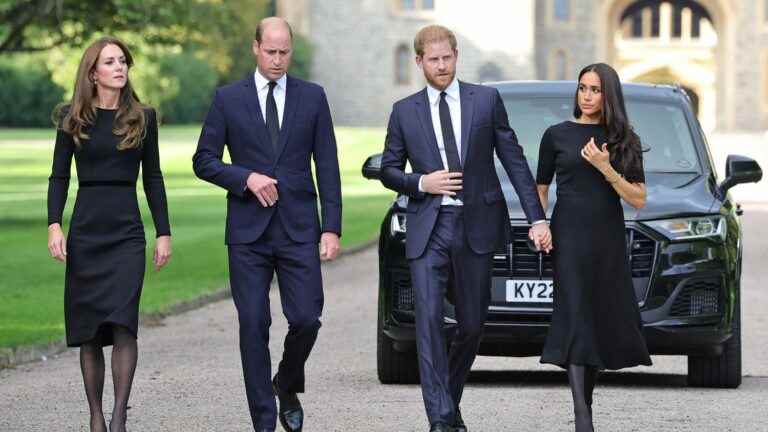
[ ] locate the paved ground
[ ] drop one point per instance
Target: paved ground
(189, 376)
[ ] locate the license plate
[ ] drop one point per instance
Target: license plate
(523, 291)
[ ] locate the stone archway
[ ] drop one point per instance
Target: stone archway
(695, 59)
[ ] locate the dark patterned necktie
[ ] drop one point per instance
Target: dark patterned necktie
(449, 139)
(273, 124)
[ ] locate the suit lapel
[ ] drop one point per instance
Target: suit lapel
(424, 115)
(257, 119)
(467, 111)
(292, 97)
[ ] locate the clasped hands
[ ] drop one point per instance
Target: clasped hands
(265, 190)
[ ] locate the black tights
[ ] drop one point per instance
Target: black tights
(124, 357)
(582, 380)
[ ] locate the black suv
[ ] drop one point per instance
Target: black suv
(684, 246)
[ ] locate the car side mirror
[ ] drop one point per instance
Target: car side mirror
(372, 167)
(738, 170)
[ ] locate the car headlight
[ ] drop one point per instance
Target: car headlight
(397, 225)
(712, 227)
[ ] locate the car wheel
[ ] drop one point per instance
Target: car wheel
(394, 367)
(723, 371)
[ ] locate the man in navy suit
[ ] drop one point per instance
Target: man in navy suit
(456, 212)
(272, 125)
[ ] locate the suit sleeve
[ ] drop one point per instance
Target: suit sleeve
(152, 177)
(393, 160)
(207, 160)
(327, 169)
(513, 159)
(58, 182)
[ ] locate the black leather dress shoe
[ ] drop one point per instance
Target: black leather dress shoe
(440, 427)
(289, 412)
(458, 424)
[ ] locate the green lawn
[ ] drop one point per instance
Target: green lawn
(32, 284)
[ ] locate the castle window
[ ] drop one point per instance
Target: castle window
(402, 65)
(416, 5)
(561, 65)
(558, 66)
(562, 10)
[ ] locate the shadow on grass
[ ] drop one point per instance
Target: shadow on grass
(24, 222)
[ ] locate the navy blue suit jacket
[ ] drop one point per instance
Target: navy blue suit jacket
(484, 128)
(235, 120)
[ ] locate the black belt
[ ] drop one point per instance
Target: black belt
(119, 183)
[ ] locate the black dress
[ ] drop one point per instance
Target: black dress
(106, 245)
(596, 320)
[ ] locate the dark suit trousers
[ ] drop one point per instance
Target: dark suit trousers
(251, 267)
(448, 257)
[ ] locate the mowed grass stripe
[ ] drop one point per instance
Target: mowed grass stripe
(32, 284)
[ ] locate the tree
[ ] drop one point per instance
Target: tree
(39, 25)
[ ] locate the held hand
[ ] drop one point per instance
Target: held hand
(57, 243)
(598, 157)
(162, 252)
(441, 182)
(264, 188)
(541, 235)
(329, 246)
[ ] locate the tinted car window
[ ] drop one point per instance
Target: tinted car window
(663, 129)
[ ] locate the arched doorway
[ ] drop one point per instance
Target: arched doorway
(672, 42)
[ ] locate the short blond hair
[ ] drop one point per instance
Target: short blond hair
(432, 34)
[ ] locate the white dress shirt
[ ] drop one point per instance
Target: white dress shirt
(262, 87)
(452, 98)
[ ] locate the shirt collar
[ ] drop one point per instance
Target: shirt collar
(262, 82)
(452, 92)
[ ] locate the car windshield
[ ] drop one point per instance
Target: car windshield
(662, 127)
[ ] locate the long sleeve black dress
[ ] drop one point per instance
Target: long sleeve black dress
(595, 318)
(105, 245)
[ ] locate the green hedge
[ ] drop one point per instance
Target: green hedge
(27, 94)
(191, 82)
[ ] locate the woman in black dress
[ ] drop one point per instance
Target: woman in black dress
(598, 161)
(110, 133)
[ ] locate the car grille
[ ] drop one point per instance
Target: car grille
(402, 292)
(641, 250)
(698, 297)
(519, 261)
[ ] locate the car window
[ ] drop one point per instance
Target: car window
(663, 130)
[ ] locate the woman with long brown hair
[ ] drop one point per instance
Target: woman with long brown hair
(598, 160)
(110, 134)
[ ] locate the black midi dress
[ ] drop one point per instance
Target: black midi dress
(106, 244)
(595, 319)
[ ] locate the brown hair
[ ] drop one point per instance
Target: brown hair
(80, 113)
(432, 34)
(623, 143)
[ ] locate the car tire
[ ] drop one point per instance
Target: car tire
(723, 371)
(394, 367)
